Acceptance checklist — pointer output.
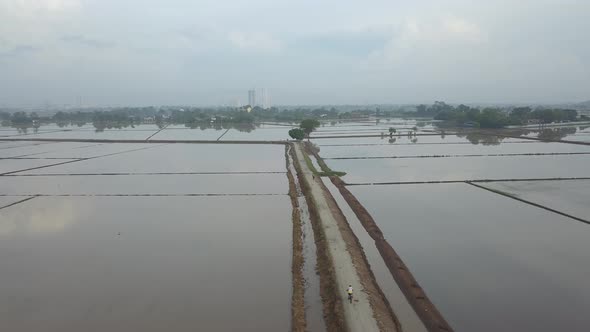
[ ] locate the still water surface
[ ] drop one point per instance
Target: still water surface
(489, 263)
(146, 264)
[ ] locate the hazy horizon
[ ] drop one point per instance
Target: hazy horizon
(181, 52)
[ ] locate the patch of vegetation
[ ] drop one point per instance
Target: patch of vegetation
(297, 133)
(309, 125)
(325, 170)
(491, 117)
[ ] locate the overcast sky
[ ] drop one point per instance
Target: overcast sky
(143, 52)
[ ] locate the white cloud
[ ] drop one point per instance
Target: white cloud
(34, 22)
(451, 48)
(426, 35)
(45, 219)
(461, 29)
(31, 8)
(254, 41)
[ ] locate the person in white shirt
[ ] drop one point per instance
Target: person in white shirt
(349, 292)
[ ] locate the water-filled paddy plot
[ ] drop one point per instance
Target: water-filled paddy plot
(453, 158)
(488, 262)
(144, 237)
(507, 255)
(162, 235)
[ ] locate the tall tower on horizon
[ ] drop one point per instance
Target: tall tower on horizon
(264, 98)
(252, 97)
(259, 97)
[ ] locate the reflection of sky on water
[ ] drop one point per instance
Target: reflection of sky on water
(43, 219)
(460, 169)
(145, 264)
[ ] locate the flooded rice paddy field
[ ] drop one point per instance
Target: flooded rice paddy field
(188, 134)
(452, 158)
(179, 158)
(174, 263)
(269, 134)
(7, 200)
(425, 150)
(43, 150)
(488, 262)
(148, 184)
(152, 131)
(571, 197)
(428, 138)
(460, 169)
(126, 237)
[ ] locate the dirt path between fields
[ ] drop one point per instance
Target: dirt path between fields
(370, 310)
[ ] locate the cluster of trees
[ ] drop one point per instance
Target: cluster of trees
(306, 127)
(494, 117)
(197, 116)
(20, 118)
(522, 114)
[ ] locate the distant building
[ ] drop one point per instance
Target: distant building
(259, 97)
(264, 98)
(252, 97)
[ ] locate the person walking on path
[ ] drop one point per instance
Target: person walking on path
(349, 292)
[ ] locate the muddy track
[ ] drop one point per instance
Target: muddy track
(298, 321)
(428, 313)
(333, 310)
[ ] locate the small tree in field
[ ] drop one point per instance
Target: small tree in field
(297, 134)
(391, 131)
(309, 125)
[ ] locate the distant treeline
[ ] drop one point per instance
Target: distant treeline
(490, 117)
(460, 115)
(191, 116)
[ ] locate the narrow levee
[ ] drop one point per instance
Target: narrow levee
(406, 315)
(370, 310)
(307, 313)
(415, 295)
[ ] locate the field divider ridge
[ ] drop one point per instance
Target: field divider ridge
(499, 192)
(18, 202)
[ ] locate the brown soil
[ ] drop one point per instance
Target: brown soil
(416, 296)
(332, 305)
(298, 322)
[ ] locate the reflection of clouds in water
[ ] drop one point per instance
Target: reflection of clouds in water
(50, 218)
